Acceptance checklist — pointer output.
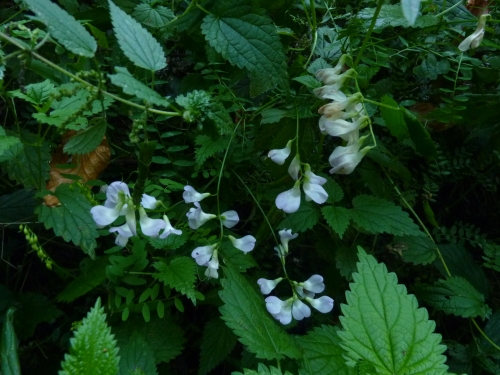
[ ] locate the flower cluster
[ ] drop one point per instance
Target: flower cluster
(207, 256)
(344, 117)
(475, 39)
(302, 291)
(119, 203)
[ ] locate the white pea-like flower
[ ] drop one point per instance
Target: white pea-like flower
(196, 217)
(314, 284)
(190, 195)
(300, 310)
(341, 127)
(244, 244)
(340, 102)
(267, 286)
(230, 218)
(289, 201)
(124, 234)
(285, 236)
(280, 310)
(280, 155)
(169, 229)
(313, 186)
(323, 304)
(203, 254)
(294, 168)
(474, 40)
(150, 227)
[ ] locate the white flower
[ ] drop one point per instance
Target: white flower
(312, 186)
(190, 195)
(230, 218)
(124, 234)
(345, 159)
(213, 266)
(474, 40)
(325, 121)
(285, 236)
(314, 284)
(113, 191)
(339, 104)
(300, 310)
(196, 217)
(294, 167)
(280, 310)
(149, 201)
(325, 73)
(104, 216)
(332, 80)
(169, 229)
(303, 292)
(244, 244)
(212, 273)
(203, 254)
(323, 304)
(289, 201)
(150, 227)
(340, 127)
(279, 156)
(267, 286)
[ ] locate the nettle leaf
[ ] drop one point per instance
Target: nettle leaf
(384, 326)
(72, 220)
(245, 313)
(179, 274)
(335, 192)
(209, 147)
(262, 370)
(135, 41)
(272, 115)
(346, 259)
(63, 27)
(337, 217)
(158, 16)
(217, 343)
(410, 10)
(172, 242)
(323, 353)
(137, 357)
(8, 346)
(36, 93)
(394, 119)
(455, 296)
(416, 249)
(93, 347)
(249, 41)
(308, 81)
(303, 219)
(378, 215)
(87, 140)
(392, 15)
(132, 86)
(6, 142)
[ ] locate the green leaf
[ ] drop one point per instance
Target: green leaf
(303, 219)
(72, 220)
(8, 346)
(335, 192)
(17, 206)
(69, 32)
(384, 326)
(345, 261)
(158, 16)
(245, 313)
(431, 67)
(36, 93)
(492, 331)
(410, 10)
(6, 142)
(416, 249)
(249, 41)
(337, 217)
(209, 147)
(93, 347)
(308, 81)
(378, 215)
(272, 115)
(135, 41)
(217, 343)
(132, 86)
(394, 120)
(172, 242)
(420, 136)
(323, 353)
(93, 274)
(392, 15)
(179, 274)
(262, 370)
(137, 357)
(455, 296)
(87, 140)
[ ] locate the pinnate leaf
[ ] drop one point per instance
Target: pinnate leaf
(337, 217)
(179, 274)
(455, 296)
(245, 313)
(131, 86)
(378, 215)
(136, 42)
(216, 344)
(69, 32)
(384, 326)
(93, 347)
(72, 220)
(249, 41)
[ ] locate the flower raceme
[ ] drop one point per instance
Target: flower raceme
(474, 40)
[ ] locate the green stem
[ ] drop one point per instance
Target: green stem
(203, 9)
(369, 33)
(481, 331)
(146, 155)
(314, 32)
(381, 104)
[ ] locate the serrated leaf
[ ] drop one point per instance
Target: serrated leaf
(384, 326)
(272, 115)
(262, 370)
(378, 215)
(410, 10)
(335, 192)
(6, 142)
(72, 220)
(392, 15)
(69, 32)
(420, 136)
(303, 219)
(416, 249)
(245, 313)
(92, 347)
(249, 41)
(135, 41)
(179, 274)
(17, 206)
(209, 147)
(394, 120)
(87, 140)
(345, 261)
(36, 93)
(132, 86)
(323, 353)
(137, 357)
(221, 119)
(158, 16)
(8, 346)
(337, 218)
(172, 242)
(308, 81)
(217, 343)
(455, 296)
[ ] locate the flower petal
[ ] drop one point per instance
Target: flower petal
(244, 244)
(300, 310)
(323, 304)
(315, 192)
(289, 201)
(169, 229)
(203, 254)
(150, 227)
(104, 215)
(190, 195)
(148, 201)
(267, 286)
(294, 168)
(230, 218)
(314, 284)
(113, 193)
(279, 156)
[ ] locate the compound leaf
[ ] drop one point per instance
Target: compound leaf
(384, 326)
(216, 344)
(245, 313)
(135, 41)
(93, 347)
(378, 215)
(69, 32)
(179, 274)
(132, 86)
